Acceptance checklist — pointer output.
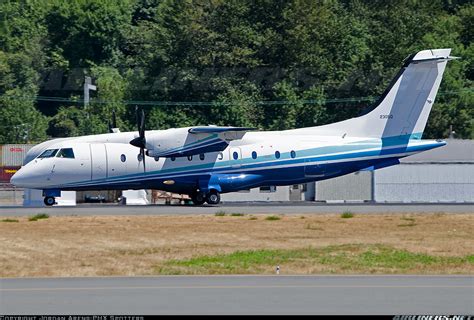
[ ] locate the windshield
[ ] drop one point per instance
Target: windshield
(66, 153)
(48, 153)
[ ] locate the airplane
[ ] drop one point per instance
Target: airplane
(206, 161)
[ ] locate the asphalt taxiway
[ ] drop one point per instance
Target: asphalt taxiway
(245, 208)
(239, 295)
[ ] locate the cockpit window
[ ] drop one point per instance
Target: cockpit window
(48, 153)
(66, 153)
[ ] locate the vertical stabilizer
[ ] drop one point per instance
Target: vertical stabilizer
(404, 107)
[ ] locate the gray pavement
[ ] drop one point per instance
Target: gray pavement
(246, 208)
(239, 295)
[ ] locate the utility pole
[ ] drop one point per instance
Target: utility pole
(88, 86)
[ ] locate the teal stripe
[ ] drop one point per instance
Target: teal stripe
(359, 145)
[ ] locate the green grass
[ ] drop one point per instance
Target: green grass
(272, 218)
(10, 220)
(347, 215)
(236, 214)
(38, 216)
(356, 258)
(220, 213)
(253, 218)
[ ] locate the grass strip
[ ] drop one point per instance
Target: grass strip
(351, 258)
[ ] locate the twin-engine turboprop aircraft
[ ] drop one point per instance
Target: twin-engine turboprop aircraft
(209, 160)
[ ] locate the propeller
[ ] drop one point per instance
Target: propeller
(140, 141)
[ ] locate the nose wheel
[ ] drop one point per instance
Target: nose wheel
(49, 201)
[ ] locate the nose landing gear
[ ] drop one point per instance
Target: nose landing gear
(49, 201)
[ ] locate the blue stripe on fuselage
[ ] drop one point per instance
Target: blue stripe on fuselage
(249, 166)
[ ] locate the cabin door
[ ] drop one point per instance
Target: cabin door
(98, 161)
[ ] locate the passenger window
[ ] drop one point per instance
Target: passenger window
(254, 155)
(190, 158)
(277, 154)
(66, 153)
(173, 158)
(220, 156)
(202, 156)
(48, 153)
(123, 158)
(235, 155)
(293, 154)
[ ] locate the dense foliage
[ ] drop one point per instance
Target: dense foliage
(264, 63)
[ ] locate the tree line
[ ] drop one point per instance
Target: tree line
(262, 63)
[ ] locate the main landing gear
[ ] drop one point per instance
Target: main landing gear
(212, 197)
(49, 201)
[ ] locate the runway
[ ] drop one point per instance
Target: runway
(240, 295)
(245, 208)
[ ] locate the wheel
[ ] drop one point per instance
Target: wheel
(198, 198)
(49, 201)
(213, 197)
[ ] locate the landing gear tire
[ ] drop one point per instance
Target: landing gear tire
(198, 198)
(49, 201)
(213, 197)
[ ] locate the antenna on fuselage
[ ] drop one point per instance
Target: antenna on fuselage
(113, 127)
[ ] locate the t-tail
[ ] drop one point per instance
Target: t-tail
(403, 109)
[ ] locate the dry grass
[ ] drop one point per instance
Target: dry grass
(138, 245)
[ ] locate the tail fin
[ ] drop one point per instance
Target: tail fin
(404, 107)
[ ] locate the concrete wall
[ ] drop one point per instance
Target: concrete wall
(10, 196)
(425, 183)
(351, 187)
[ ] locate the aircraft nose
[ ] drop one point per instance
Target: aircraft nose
(19, 179)
(15, 179)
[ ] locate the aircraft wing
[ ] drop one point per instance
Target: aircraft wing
(197, 140)
(215, 129)
(226, 134)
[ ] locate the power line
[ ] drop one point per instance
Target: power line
(217, 103)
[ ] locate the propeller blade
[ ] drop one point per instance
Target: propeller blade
(140, 141)
(142, 124)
